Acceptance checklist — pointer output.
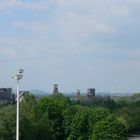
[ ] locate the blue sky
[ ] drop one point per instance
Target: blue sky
(75, 43)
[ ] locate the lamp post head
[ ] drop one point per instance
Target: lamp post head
(18, 75)
(21, 71)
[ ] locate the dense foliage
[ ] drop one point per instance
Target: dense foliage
(57, 118)
(129, 112)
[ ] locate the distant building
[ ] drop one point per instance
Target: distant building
(78, 92)
(91, 92)
(77, 97)
(55, 89)
(6, 95)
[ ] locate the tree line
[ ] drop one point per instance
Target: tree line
(56, 117)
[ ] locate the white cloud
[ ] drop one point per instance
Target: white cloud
(99, 27)
(119, 10)
(133, 52)
(34, 6)
(8, 53)
(86, 17)
(34, 26)
(19, 47)
(4, 5)
(133, 1)
(72, 22)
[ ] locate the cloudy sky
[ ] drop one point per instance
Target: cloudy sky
(74, 43)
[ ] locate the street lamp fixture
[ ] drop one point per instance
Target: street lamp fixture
(17, 77)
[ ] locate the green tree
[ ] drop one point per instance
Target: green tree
(83, 122)
(48, 118)
(109, 129)
(27, 112)
(130, 114)
(7, 123)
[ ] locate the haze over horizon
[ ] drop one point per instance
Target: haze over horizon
(77, 44)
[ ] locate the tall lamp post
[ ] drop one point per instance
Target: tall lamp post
(17, 77)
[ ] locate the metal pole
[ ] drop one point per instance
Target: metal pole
(17, 77)
(17, 118)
